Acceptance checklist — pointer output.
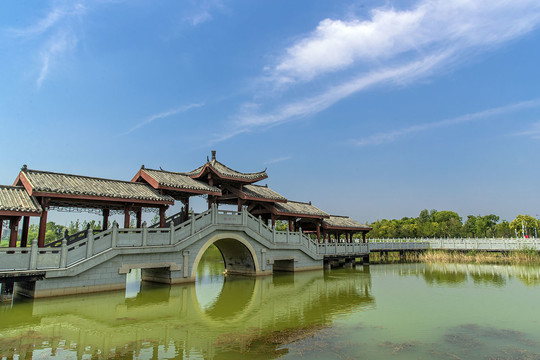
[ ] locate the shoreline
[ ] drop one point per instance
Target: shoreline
(521, 257)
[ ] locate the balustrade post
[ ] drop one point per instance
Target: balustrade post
(192, 224)
(244, 215)
(300, 235)
(63, 255)
(287, 235)
(114, 239)
(214, 214)
(171, 233)
(144, 234)
(33, 255)
(90, 244)
(260, 224)
(274, 234)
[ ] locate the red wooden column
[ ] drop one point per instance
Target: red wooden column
(186, 204)
(363, 236)
(240, 203)
(139, 218)
(1, 228)
(291, 225)
(318, 232)
(273, 220)
(106, 213)
(127, 208)
(24, 235)
(43, 222)
(162, 210)
(14, 228)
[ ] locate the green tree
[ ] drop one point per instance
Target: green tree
(503, 229)
(525, 225)
(469, 228)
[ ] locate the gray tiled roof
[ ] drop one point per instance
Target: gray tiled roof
(15, 198)
(226, 171)
(262, 192)
(179, 181)
(300, 208)
(344, 222)
(57, 183)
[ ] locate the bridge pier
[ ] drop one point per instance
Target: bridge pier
(349, 263)
(162, 275)
(365, 259)
(6, 294)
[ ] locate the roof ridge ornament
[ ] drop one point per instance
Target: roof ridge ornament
(213, 155)
(24, 167)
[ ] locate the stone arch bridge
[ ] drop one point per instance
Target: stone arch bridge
(100, 262)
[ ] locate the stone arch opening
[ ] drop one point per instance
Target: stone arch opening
(239, 257)
(236, 257)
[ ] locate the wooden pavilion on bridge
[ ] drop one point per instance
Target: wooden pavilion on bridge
(34, 192)
(337, 225)
(177, 185)
(229, 181)
(76, 192)
(16, 203)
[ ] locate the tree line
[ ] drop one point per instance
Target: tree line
(448, 224)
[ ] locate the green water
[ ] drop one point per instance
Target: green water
(403, 311)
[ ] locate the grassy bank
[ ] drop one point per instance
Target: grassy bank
(522, 257)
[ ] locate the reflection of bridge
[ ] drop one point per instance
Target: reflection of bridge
(170, 320)
(169, 255)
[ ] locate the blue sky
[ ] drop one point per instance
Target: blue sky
(374, 109)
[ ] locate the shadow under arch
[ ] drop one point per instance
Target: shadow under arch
(239, 257)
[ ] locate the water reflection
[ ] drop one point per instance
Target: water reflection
(247, 314)
(443, 274)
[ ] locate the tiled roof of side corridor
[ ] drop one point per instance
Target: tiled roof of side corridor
(344, 222)
(179, 181)
(15, 198)
(68, 184)
(263, 192)
(300, 208)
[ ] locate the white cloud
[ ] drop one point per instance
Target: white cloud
(163, 115)
(49, 21)
(56, 34)
(250, 118)
(431, 26)
(203, 11)
(391, 136)
(533, 132)
(54, 48)
(393, 47)
(277, 160)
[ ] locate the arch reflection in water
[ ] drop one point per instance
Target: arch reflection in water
(163, 321)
